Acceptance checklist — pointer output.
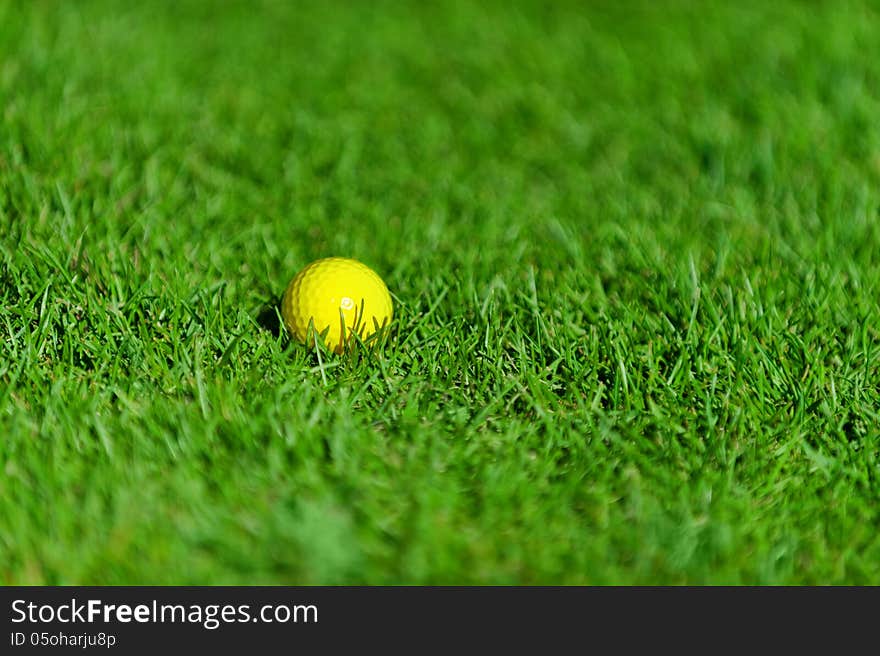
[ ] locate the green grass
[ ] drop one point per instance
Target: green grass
(635, 250)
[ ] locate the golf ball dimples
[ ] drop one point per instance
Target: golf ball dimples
(331, 293)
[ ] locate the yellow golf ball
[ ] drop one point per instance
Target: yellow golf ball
(339, 295)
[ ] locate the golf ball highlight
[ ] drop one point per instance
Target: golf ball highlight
(339, 295)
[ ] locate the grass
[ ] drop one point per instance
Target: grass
(634, 249)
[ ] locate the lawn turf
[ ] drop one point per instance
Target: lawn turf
(634, 249)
